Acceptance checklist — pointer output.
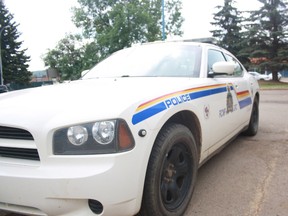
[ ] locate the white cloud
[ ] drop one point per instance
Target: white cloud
(198, 15)
(42, 24)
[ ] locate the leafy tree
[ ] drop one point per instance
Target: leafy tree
(228, 33)
(71, 56)
(14, 61)
(115, 24)
(267, 35)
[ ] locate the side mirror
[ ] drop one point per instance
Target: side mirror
(224, 68)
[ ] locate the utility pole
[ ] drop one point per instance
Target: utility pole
(163, 22)
(1, 66)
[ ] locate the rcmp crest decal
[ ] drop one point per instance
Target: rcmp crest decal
(230, 106)
(229, 101)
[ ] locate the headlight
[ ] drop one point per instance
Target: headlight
(100, 137)
(77, 135)
(103, 132)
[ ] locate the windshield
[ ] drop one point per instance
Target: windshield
(152, 60)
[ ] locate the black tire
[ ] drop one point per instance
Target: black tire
(254, 120)
(171, 173)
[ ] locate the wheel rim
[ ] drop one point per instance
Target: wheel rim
(176, 176)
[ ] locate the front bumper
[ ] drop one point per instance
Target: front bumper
(63, 185)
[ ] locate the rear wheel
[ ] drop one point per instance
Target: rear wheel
(171, 172)
(254, 120)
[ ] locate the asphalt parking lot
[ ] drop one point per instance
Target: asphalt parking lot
(250, 176)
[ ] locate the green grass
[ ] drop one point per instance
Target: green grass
(270, 85)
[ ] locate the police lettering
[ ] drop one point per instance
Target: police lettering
(177, 100)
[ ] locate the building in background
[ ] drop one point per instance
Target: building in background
(49, 75)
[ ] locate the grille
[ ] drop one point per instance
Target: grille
(20, 153)
(15, 133)
(12, 152)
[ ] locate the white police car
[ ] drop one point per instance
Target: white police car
(128, 137)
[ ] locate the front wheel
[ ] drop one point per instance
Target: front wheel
(171, 173)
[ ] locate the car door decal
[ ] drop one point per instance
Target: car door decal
(244, 99)
(157, 105)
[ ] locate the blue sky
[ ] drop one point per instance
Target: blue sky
(44, 22)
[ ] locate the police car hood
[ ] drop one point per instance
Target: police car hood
(84, 100)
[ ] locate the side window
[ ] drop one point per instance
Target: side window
(213, 57)
(239, 68)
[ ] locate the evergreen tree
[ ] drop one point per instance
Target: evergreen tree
(267, 36)
(228, 32)
(14, 60)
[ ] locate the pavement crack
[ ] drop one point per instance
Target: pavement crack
(261, 191)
